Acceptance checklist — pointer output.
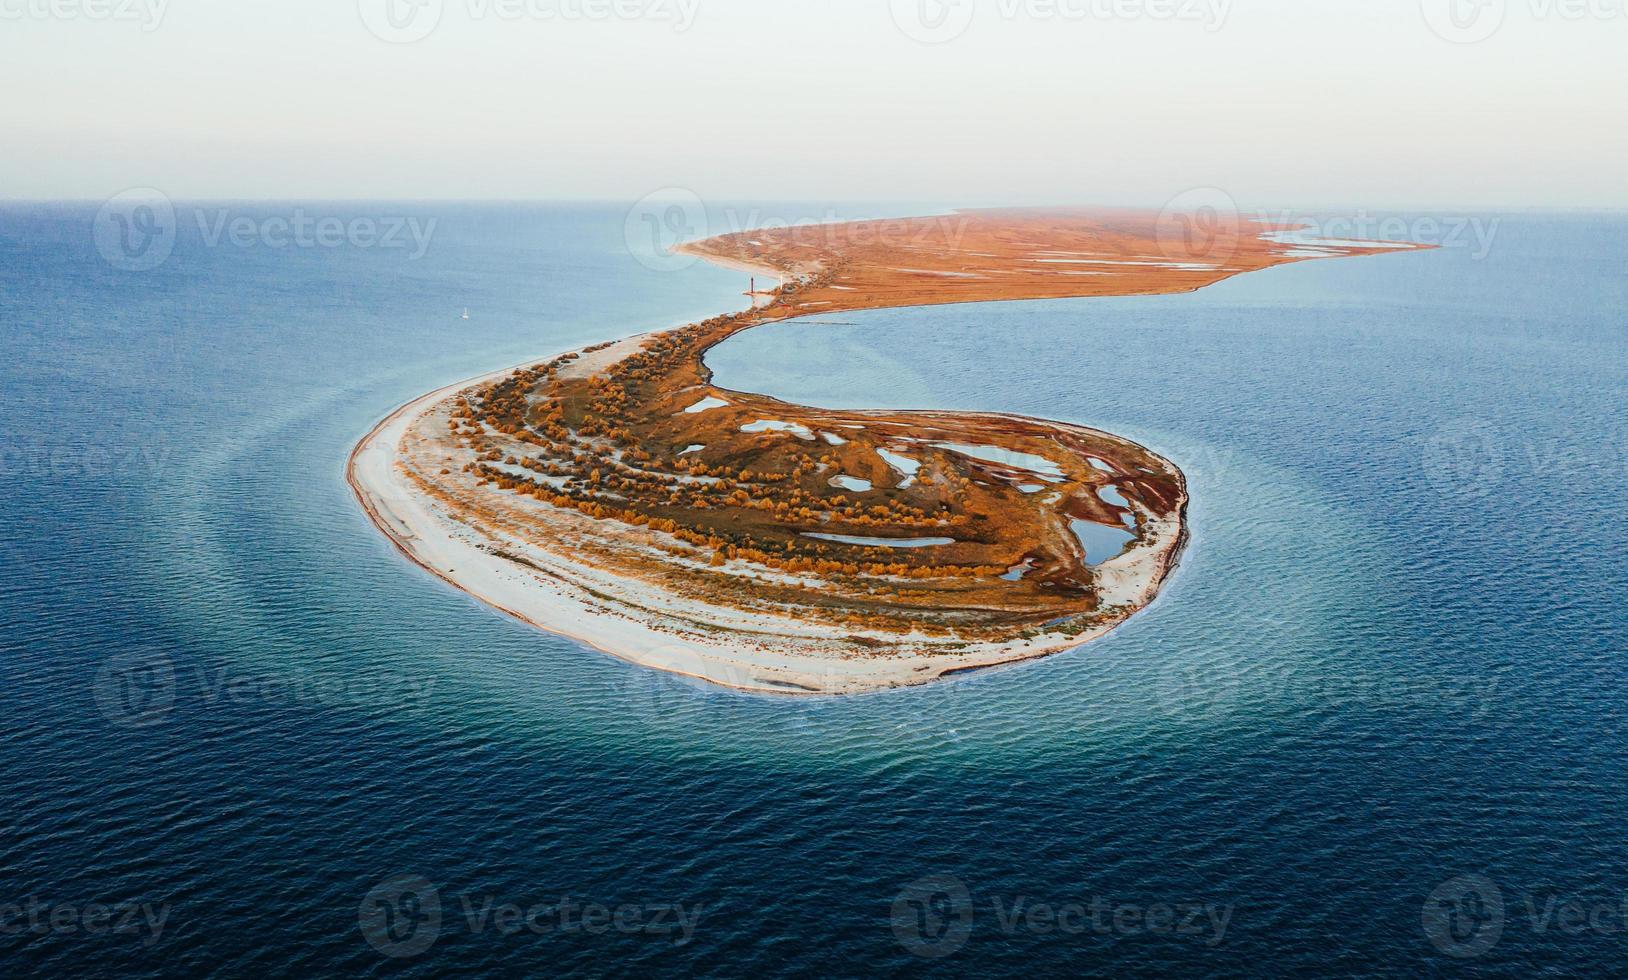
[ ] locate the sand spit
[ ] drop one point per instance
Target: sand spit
(562, 492)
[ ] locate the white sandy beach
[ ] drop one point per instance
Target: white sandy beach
(630, 619)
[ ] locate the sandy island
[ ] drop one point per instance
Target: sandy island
(616, 496)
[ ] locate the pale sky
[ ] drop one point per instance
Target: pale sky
(1513, 103)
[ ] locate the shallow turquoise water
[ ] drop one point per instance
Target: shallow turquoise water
(1391, 657)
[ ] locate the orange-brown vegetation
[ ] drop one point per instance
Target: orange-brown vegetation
(611, 440)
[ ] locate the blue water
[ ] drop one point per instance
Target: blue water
(1393, 655)
(1100, 541)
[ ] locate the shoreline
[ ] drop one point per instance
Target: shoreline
(400, 535)
(481, 541)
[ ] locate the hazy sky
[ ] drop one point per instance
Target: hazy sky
(1299, 102)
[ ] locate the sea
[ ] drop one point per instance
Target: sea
(1376, 724)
